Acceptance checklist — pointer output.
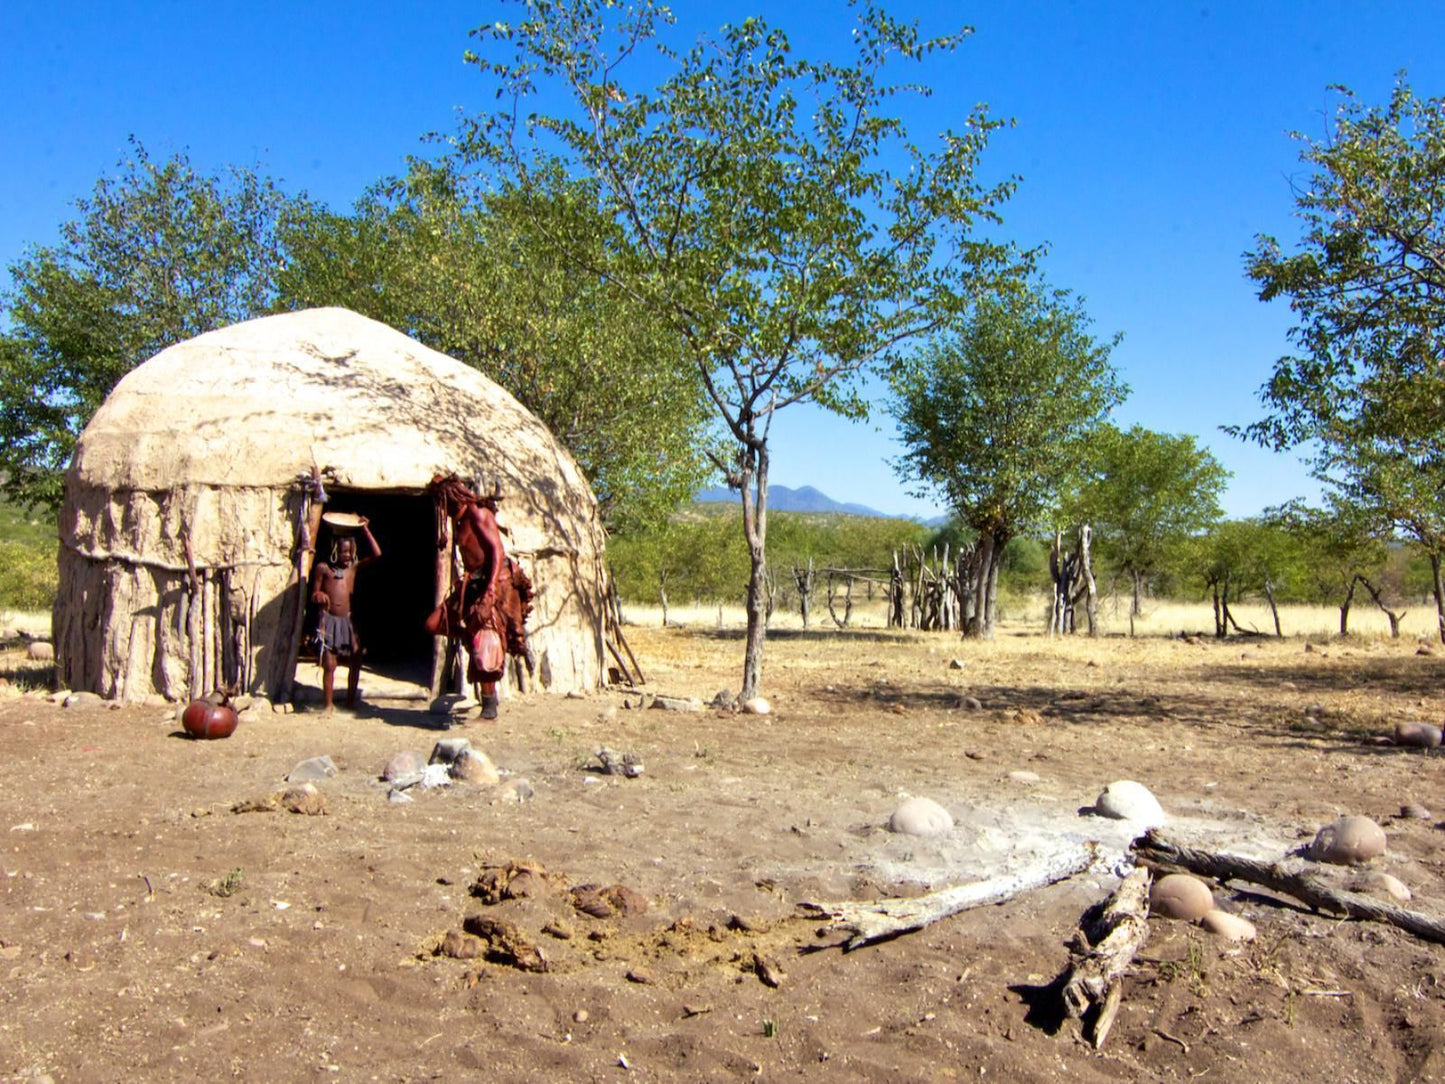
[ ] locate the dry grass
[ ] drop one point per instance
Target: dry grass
(1030, 614)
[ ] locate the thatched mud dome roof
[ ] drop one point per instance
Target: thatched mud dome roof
(191, 497)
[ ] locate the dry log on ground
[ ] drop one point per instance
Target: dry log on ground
(1104, 946)
(876, 920)
(1309, 888)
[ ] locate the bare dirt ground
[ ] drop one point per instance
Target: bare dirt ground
(149, 932)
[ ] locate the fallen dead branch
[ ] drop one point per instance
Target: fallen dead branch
(1309, 888)
(1104, 947)
(877, 920)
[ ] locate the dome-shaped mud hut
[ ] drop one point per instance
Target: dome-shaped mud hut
(193, 509)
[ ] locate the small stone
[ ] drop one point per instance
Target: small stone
(575, 694)
(757, 705)
(474, 766)
(1378, 883)
(641, 975)
(1181, 896)
(1424, 649)
(725, 700)
(1348, 841)
(920, 817)
(970, 703)
(1126, 800)
(40, 651)
(1230, 927)
(403, 765)
(676, 703)
(1417, 735)
(313, 768)
(448, 749)
(955, 664)
(558, 929)
(305, 799)
(515, 790)
(83, 700)
(1415, 812)
(581, 1016)
(400, 797)
(1024, 777)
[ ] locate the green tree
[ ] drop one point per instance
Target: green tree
(470, 275)
(773, 212)
(1340, 553)
(158, 254)
(998, 418)
(1145, 492)
(1365, 392)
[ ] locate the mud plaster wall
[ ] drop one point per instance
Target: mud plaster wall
(127, 624)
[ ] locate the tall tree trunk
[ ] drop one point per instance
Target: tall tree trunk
(1393, 617)
(1091, 589)
(1437, 586)
(662, 594)
(1273, 608)
(1220, 629)
(755, 528)
(1345, 607)
(1136, 578)
(980, 622)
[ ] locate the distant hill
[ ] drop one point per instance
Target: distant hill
(784, 499)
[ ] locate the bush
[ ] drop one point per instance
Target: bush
(28, 576)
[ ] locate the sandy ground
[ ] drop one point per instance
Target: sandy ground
(149, 932)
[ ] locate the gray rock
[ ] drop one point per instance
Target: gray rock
(1417, 735)
(677, 703)
(1126, 800)
(920, 817)
(448, 749)
(955, 664)
(1415, 812)
(83, 700)
(40, 651)
(399, 796)
(310, 769)
(1024, 777)
(407, 762)
(725, 700)
(970, 703)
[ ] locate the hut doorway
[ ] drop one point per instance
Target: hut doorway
(393, 596)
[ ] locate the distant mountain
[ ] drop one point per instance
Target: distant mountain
(784, 499)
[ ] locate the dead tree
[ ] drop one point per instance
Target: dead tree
(1073, 575)
(803, 577)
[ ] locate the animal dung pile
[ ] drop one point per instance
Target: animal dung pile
(920, 817)
(1349, 841)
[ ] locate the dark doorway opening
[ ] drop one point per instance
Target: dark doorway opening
(395, 594)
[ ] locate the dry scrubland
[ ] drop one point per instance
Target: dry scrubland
(149, 932)
(1030, 615)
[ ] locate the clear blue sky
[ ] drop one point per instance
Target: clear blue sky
(1151, 139)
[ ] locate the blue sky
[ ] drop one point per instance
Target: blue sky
(1151, 139)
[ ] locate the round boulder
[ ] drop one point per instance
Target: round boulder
(1181, 896)
(1348, 841)
(474, 766)
(40, 651)
(1417, 735)
(403, 764)
(1126, 800)
(1230, 927)
(756, 706)
(921, 817)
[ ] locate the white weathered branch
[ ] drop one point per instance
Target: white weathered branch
(876, 920)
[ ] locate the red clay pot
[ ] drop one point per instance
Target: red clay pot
(204, 719)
